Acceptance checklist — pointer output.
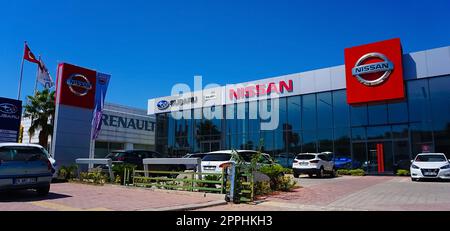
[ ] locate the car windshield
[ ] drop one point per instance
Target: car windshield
(22, 154)
(430, 158)
(217, 157)
(305, 157)
(247, 156)
(113, 155)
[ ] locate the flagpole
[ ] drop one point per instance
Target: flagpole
(37, 75)
(21, 76)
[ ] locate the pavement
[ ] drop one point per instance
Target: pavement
(83, 197)
(368, 193)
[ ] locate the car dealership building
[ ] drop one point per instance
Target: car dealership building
(376, 112)
(123, 128)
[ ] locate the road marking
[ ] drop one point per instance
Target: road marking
(60, 207)
(55, 206)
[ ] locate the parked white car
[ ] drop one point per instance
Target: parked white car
(213, 162)
(317, 164)
(430, 166)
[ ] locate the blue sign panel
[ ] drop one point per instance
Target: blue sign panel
(10, 116)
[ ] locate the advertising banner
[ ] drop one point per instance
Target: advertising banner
(10, 116)
(100, 95)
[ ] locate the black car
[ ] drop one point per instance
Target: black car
(136, 157)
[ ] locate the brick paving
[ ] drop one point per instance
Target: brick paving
(68, 197)
(369, 193)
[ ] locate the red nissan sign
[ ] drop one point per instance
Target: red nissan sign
(374, 72)
(75, 86)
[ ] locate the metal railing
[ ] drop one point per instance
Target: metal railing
(190, 181)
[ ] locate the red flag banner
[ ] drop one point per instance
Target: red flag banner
(28, 55)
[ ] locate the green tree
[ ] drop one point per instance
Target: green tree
(40, 109)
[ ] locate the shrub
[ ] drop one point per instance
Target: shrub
(119, 170)
(403, 172)
(262, 188)
(288, 171)
(94, 177)
(286, 183)
(343, 172)
(357, 172)
(67, 173)
(278, 181)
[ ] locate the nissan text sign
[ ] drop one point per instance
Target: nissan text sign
(374, 72)
(10, 116)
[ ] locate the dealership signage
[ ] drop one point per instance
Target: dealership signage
(79, 84)
(166, 104)
(127, 123)
(76, 86)
(374, 72)
(10, 116)
(257, 90)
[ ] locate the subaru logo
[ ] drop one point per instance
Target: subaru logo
(79, 84)
(163, 105)
(373, 73)
(8, 108)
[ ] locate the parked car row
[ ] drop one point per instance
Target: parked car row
(28, 166)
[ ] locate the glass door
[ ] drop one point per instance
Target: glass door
(210, 146)
(380, 157)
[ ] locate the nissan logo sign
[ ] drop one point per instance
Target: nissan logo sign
(163, 105)
(8, 108)
(79, 84)
(362, 69)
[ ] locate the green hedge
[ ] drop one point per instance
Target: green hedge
(403, 172)
(352, 172)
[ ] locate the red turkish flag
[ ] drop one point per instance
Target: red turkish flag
(28, 55)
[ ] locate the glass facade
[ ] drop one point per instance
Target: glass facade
(324, 121)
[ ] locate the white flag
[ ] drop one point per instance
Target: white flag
(44, 76)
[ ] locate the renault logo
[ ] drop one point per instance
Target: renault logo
(372, 74)
(79, 84)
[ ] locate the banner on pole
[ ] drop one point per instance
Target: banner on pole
(102, 82)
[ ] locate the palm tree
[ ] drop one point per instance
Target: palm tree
(40, 109)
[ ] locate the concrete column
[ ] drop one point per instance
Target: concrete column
(129, 146)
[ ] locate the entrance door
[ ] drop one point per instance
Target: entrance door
(380, 158)
(210, 146)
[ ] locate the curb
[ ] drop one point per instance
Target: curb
(189, 207)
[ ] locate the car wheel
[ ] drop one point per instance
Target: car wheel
(43, 191)
(310, 175)
(333, 173)
(296, 175)
(321, 173)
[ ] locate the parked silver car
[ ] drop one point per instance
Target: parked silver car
(25, 166)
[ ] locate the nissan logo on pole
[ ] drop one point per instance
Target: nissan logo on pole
(79, 84)
(374, 73)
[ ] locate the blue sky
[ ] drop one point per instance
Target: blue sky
(148, 46)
